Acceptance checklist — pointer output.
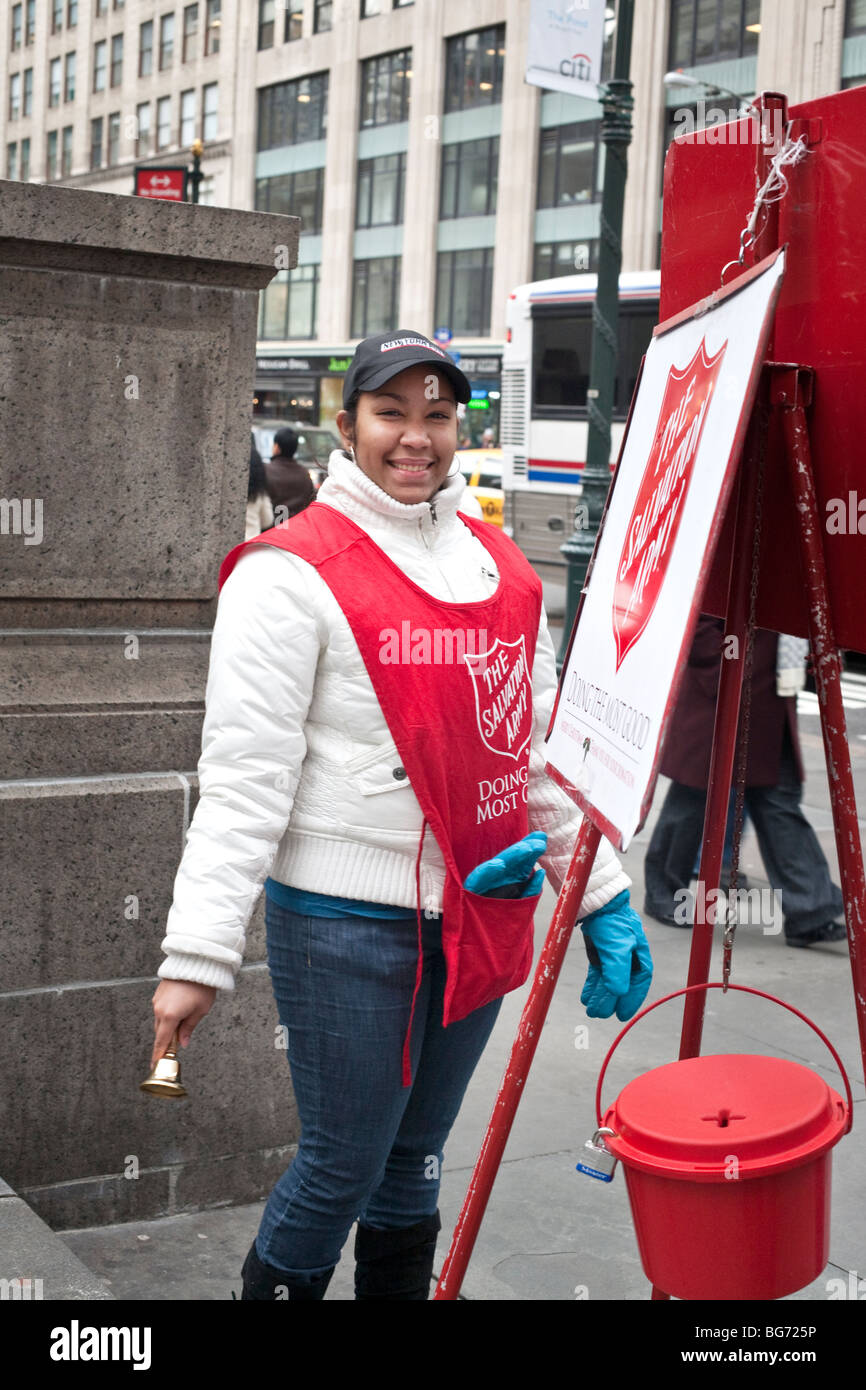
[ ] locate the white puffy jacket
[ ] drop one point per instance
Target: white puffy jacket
(296, 770)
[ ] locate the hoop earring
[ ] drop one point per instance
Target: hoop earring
(456, 470)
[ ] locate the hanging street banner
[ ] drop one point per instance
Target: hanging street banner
(565, 46)
(646, 579)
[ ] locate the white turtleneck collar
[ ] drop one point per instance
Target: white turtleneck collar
(349, 489)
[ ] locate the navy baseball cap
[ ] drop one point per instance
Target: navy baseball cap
(383, 355)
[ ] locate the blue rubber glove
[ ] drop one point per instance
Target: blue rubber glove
(512, 867)
(621, 968)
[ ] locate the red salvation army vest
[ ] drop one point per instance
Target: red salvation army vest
(454, 683)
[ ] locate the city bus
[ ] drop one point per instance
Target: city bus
(545, 377)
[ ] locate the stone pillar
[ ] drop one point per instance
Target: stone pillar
(423, 162)
(800, 49)
(338, 211)
(126, 373)
(643, 190)
(518, 168)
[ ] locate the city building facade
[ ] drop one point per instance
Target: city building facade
(431, 179)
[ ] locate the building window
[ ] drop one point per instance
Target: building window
(163, 123)
(291, 113)
(101, 8)
(708, 31)
(207, 192)
(117, 60)
(212, 28)
(469, 174)
(12, 161)
(56, 16)
(381, 182)
(145, 49)
(15, 96)
(464, 281)
(72, 14)
(51, 155)
(385, 88)
(27, 108)
(166, 41)
(369, 8)
(855, 18)
(96, 143)
(55, 82)
(190, 33)
(25, 160)
(298, 195)
(266, 23)
(554, 258)
(568, 164)
(143, 131)
(473, 69)
(117, 4)
(322, 17)
(100, 59)
(69, 78)
(375, 288)
(114, 138)
(287, 308)
(66, 152)
(210, 111)
(17, 25)
(293, 24)
(187, 117)
(30, 30)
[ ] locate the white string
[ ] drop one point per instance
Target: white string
(772, 190)
(775, 185)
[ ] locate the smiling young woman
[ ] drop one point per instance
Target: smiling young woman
(403, 435)
(357, 788)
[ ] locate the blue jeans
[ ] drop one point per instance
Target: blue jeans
(370, 1148)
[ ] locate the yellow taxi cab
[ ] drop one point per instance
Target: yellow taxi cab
(482, 469)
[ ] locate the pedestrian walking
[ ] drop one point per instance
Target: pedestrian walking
(289, 482)
(380, 687)
(260, 512)
(793, 858)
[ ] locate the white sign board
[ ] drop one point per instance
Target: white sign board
(652, 556)
(565, 46)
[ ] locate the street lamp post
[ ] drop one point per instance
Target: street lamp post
(195, 174)
(616, 136)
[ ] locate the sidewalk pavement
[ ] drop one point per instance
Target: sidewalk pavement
(550, 1233)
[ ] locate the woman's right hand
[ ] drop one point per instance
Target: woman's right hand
(178, 1005)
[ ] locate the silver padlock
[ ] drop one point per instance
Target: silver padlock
(598, 1161)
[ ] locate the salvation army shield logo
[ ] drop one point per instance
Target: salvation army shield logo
(503, 696)
(658, 507)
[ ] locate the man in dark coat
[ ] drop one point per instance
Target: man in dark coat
(289, 483)
(793, 858)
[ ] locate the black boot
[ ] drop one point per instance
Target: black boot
(396, 1263)
(264, 1283)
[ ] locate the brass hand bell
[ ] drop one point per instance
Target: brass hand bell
(164, 1080)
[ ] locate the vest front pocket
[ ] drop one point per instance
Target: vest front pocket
(495, 948)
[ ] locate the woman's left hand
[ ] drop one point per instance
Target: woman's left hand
(621, 968)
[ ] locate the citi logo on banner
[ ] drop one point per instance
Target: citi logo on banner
(658, 507)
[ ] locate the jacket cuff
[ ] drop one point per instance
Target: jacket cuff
(199, 970)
